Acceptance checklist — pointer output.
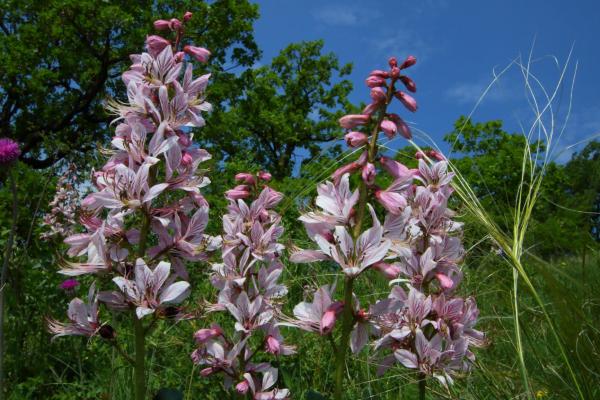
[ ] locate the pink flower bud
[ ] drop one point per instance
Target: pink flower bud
(187, 16)
(161, 24)
(348, 168)
(380, 74)
(409, 83)
(329, 317)
(264, 175)
(391, 201)
(246, 177)
(242, 387)
(374, 81)
(179, 56)
(371, 108)
(207, 371)
(378, 95)
(356, 139)
(187, 159)
(395, 73)
(419, 155)
(202, 335)
(238, 192)
(401, 125)
(273, 345)
(445, 282)
(368, 173)
(390, 271)
(175, 24)
(409, 102)
(409, 62)
(352, 120)
(389, 128)
(396, 169)
(199, 53)
(436, 155)
(156, 44)
(393, 62)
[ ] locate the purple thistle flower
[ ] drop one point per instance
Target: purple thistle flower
(69, 284)
(9, 151)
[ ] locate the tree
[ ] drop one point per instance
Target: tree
(59, 60)
(286, 108)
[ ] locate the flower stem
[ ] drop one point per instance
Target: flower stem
(342, 348)
(7, 255)
(422, 385)
(140, 355)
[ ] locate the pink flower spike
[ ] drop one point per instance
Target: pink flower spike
(199, 53)
(409, 102)
(368, 173)
(161, 24)
(409, 83)
(356, 139)
(352, 120)
(264, 176)
(156, 44)
(390, 271)
(187, 16)
(9, 151)
(389, 128)
(378, 95)
(409, 62)
(246, 177)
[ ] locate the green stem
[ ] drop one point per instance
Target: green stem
(140, 355)
(7, 255)
(342, 349)
(422, 385)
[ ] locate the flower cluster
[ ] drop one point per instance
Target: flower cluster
(247, 281)
(61, 221)
(418, 244)
(146, 216)
(9, 151)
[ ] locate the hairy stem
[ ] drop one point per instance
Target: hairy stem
(342, 348)
(7, 255)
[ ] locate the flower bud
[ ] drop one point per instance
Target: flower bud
(242, 387)
(419, 155)
(156, 44)
(395, 169)
(374, 81)
(390, 271)
(329, 317)
(401, 125)
(391, 201)
(161, 24)
(356, 139)
(207, 371)
(409, 102)
(371, 108)
(389, 128)
(409, 62)
(379, 73)
(409, 83)
(179, 56)
(187, 159)
(107, 332)
(187, 16)
(238, 192)
(352, 120)
(368, 173)
(246, 177)
(445, 282)
(436, 155)
(199, 53)
(345, 169)
(395, 73)
(378, 95)
(273, 345)
(202, 335)
(175, 24)
(393, 62)
(264, 175)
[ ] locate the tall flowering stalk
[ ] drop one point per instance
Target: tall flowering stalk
(250, 291)
(422, 325)
(147, 216)
(61, 221)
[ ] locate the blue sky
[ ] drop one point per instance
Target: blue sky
(459, 45)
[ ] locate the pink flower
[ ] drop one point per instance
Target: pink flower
(393, 62)
(264, 176)
(391, 201)
(409, 83)
(69, 284)
(246, 177)
(156, 44)
(356, 139)
(238, 192)
(242, 387)
(374, 81)
(436, 155)
(389, 128)
(380, 74)
(352, 120)
(329, 317)
(187, 16)
(199, 53)
(161, 24)
(396, 169)
(401, 125)
(409, 102)
(9, 151)
(273, 345)
(202, 335)
(369, 173)
(378, 95)
(409, 62)
(175, 24)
